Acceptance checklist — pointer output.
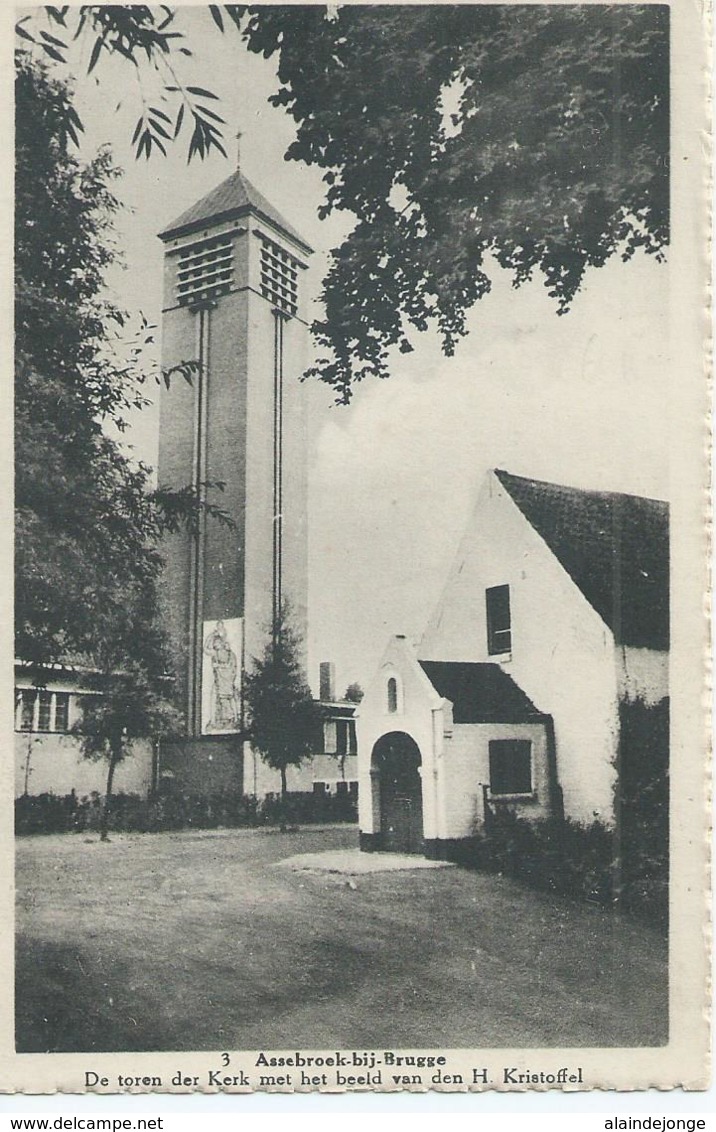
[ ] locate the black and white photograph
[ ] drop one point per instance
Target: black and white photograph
(360, 547)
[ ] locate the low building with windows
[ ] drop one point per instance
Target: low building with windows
(48, 756)
(49, 760)
(333, 767)
(555, 615)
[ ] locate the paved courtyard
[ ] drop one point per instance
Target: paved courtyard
(244, 939)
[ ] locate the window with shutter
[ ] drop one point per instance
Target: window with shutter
(279, 276)
(499, 627)
(206, 269)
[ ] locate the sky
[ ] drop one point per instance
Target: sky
(580, 399)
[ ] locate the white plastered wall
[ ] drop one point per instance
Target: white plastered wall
(642, 674)
(56, 766)
(562, 652)
(467, 767)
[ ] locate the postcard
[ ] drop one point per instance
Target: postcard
(360, 731)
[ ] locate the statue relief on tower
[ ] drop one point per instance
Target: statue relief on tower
(221, 677)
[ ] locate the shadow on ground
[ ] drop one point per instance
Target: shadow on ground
(191, 942)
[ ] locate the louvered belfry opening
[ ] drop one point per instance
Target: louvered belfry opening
(279, 277)
(206, 269)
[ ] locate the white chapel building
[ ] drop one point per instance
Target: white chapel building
(556, 611)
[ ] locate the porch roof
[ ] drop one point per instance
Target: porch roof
(480, 693)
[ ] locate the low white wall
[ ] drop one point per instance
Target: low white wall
(260, 779)
(56, 766)
(466, 767)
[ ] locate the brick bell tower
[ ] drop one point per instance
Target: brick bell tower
(233, 301)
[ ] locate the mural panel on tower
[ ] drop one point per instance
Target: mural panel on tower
(221, 676)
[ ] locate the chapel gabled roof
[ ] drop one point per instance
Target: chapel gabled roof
(234, 197)
(479, 693)
(615, 548)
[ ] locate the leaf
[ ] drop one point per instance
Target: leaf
(23, 33)
(53, 39)
(206, 112)
(52, 52)
(58, 14)
(145, 143)
(72, 133)
(201, 93)
(74, 118)
(159, 114)
(159, 129)
(216, 16)
(96, 51)
(179, 121)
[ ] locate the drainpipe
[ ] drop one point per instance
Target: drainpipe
(437, 736)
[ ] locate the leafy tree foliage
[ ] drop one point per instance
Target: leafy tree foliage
(132, 697)
(87, 524)
(140, 34)
(283, 718)
(354, 693)
(80, 507)
(457, 136)
(553, 158)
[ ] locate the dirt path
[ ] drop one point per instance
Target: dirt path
(196, 941)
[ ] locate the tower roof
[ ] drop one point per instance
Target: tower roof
(234, 197)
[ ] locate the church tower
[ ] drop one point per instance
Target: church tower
(235, 303)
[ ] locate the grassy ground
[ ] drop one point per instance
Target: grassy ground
(190, 941)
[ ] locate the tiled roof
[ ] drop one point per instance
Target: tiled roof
(479, 693)
(234, 197)
(614, 547)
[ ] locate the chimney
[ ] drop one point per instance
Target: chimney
(327, 681)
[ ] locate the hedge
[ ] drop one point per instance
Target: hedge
(48, 813)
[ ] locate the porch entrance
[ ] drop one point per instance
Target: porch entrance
(396, 763)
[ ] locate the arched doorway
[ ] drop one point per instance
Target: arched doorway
(395, 764)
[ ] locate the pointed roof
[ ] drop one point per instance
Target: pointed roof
(234, 197)
(614, 547)
(479, 693)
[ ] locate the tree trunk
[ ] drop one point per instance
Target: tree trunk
(27, 767)
(114, 757)
(284, 801)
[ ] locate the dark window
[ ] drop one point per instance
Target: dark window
(342, 737)
(341, 788)
(352, 741)
(44, 717)
(392, 694)
(499, 633)
(53, 710)
(319, 788)
(62, 711)
(510, 766)
(353, 788)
